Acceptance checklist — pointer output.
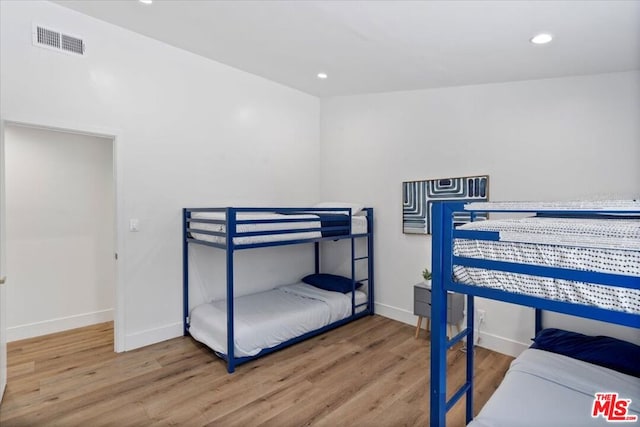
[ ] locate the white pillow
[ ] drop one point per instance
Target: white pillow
(355, 208)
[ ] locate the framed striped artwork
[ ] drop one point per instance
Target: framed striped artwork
(417, 197)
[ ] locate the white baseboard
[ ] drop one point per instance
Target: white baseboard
(152, 336)
(395, 313)
(501, 344)
(45, 327)
(487, 340)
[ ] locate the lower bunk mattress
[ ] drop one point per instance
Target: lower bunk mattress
(266, 319)
(547, 389)
(599, 245)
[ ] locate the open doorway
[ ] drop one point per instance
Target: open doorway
(60, 230)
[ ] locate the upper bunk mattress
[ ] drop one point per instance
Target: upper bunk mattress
(599, 245)
(548, 389)
(266, 319)
(358, 226)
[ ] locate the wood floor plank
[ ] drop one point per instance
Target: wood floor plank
(369, 372)
(324, 398)
(376, 395)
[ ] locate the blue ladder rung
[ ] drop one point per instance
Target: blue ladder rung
(454, 399)
(453, 341)
(361, 258)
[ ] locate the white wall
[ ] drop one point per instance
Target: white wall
(564, 138)
(190, 132)
(60, 231)
(193, 132)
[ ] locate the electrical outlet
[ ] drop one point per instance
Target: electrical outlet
(481, 314)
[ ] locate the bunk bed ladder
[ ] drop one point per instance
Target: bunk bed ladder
(442, 266)
(355, 258)
(368, 257)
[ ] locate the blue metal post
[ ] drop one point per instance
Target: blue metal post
(470, 355)
(370, 260)
(231, 231)
(353, 275)
(538, 320)
(441, 223)
(316, 246)
(185, 272)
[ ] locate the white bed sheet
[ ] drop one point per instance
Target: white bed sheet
(266, 319)
(589, 255)
(358, 226)
(548, 389)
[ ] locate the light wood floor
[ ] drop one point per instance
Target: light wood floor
(371, 372)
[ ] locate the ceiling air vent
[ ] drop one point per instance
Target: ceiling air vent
(55, 40)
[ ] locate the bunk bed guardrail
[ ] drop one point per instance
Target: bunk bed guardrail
(443, 261)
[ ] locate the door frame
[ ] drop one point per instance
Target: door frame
(116, 136)
(3, 293)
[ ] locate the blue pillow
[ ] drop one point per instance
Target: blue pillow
(609, 352)
(330, 282)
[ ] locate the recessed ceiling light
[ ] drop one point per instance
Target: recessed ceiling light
(542, 38)
(322, 76)
(146, 1)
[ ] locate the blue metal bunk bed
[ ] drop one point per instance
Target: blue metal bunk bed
(444, 263)
(234, 229)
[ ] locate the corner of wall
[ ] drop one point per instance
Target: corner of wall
(152, 336)
(53, 326)
(489, 341)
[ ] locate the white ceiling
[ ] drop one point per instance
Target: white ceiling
(379, 46)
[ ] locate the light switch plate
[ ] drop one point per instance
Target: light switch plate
(134, 224)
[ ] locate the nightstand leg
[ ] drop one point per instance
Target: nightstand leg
(428, 324)
(418, 326)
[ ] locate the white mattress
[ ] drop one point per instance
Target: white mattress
(608, 246)
(548, 389)
(358, 226)
(577, 205)
(266, 319)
